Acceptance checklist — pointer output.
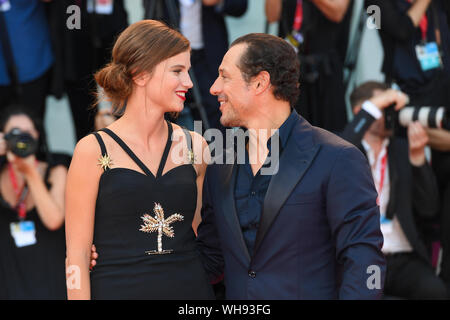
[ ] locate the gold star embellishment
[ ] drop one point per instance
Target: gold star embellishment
(105, 162)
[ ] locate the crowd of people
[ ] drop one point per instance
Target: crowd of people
(308, 231)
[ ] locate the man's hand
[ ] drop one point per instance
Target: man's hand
(418, 139)
(439, 139)
(388, 97)
(94, 256)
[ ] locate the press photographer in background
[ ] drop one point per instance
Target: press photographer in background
(32, 183)
(406, 185)
(416, 41)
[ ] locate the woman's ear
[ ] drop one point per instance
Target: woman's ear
(141, 79)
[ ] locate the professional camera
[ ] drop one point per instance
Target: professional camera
(429, 117)
(22, 144)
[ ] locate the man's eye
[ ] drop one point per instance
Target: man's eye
(177, 71)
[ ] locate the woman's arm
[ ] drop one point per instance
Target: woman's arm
(81, 194)
(203, 157)
(417, 10)
(49, 204)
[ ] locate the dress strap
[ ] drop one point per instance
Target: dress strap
(163, 161)
(103, 150)
(101, 143)
(127, 150)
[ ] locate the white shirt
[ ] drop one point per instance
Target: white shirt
(394, 237)
(191, 22)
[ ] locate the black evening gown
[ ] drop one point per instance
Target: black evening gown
(143, 232)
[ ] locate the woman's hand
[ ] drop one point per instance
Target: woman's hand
(26, 166)
(2, 144)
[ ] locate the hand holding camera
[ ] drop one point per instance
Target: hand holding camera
(417, 139)
(20, 148)
(390, 98)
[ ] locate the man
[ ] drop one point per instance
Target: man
(203, 23)
(310, 231)
(397, 163)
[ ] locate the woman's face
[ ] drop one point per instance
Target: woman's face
(169, 83)
(22, 122)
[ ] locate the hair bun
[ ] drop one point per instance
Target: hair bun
(115, 82)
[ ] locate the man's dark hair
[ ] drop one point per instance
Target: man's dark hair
(274, 55)
(365, 91)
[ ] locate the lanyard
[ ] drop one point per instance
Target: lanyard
(298, 20)
(382, 174)
(423, 25)
(20, 194)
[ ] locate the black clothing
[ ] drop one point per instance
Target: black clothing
(131, 263)
(399, 38)
(79, 54)
(321, 100)
(32, 96)
(36, 271)
(410, 277)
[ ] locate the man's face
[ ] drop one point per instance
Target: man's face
(232, 90)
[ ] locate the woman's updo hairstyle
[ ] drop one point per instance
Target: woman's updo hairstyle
(139, 48)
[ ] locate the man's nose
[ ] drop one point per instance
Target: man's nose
(215, 88)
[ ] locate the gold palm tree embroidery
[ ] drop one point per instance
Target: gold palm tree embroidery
(160, 224)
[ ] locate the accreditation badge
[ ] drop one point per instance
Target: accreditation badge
(101, 6)
(23, 233)
(428, 56)
(5, 5)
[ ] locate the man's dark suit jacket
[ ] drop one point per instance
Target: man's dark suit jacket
(414, 192)
(319, 232)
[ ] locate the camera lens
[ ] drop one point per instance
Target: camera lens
(430, 117)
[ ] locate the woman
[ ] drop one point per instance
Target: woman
(130, 190)
(31, 210)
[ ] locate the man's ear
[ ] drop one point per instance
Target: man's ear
(141, 79)
(261, 82)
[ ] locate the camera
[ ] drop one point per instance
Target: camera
(22, 144)
(429, 117)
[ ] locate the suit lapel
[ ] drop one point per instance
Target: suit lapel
(295, 160)
(228, 177)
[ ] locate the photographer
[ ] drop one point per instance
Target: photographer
(318, 29)
(32, 184)
(407, 190)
